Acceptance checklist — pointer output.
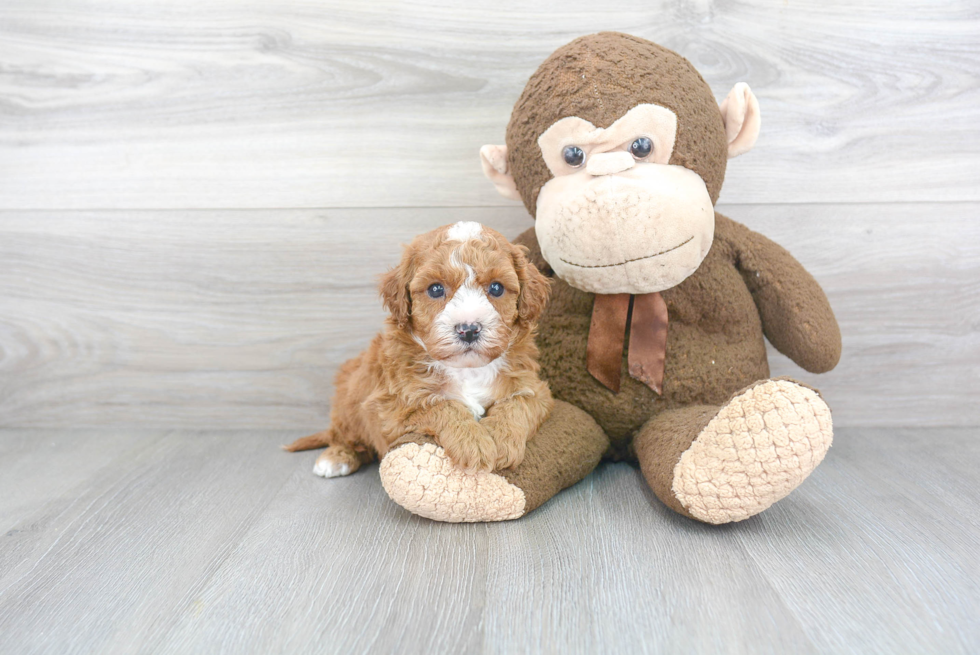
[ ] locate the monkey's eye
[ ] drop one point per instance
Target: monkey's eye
(496, 289)
(436, 290)
(641, 147)
(573, 156)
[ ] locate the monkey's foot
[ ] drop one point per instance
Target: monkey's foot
(419, 476)
(753, 452)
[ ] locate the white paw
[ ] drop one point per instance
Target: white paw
(327, 468)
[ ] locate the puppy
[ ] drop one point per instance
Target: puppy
(456, 360)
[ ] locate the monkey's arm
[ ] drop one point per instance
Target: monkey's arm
(796, 316)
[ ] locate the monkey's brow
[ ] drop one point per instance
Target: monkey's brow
(635, 259)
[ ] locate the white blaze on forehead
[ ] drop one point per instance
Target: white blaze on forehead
(458, 264)
(464, 231)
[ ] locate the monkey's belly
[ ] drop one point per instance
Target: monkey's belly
(702, 368)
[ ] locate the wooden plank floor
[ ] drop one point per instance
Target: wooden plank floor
(183, 542)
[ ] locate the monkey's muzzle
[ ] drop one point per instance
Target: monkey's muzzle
(642, 230)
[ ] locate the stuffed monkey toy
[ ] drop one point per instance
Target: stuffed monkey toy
(652, 342)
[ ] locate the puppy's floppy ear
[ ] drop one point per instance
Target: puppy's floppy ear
(535, 287)
(394, 288)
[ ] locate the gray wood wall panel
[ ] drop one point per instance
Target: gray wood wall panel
(182, 104)
(239, 319)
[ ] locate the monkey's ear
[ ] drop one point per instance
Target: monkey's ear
(740, 113)
(494, 161)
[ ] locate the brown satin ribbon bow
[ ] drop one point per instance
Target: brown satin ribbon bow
(648, 339)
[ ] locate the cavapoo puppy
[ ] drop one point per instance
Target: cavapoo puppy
(456, 360)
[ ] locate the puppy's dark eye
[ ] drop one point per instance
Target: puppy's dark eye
(642, 147)
(436, 290)
(573, 156)
(496, 289)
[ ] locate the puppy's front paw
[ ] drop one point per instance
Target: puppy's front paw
(470, 446)
(509, 441)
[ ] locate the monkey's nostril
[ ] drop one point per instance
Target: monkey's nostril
(468, 332)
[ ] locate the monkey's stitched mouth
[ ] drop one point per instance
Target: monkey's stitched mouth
(629, 261)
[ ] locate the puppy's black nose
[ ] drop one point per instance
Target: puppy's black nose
(468, 332)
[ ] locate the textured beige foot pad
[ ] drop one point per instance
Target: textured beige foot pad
(756, 450)
(423, 480)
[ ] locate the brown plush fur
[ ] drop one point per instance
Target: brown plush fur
(599, 78)
(715, 342)
(397, 385)
(660, 443)
(567, 447)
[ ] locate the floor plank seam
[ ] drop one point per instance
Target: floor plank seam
(218, 564)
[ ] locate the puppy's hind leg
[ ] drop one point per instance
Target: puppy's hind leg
(337, 461)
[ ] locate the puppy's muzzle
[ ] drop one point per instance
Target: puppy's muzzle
(468, 332)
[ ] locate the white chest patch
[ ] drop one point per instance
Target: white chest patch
(464, 231)
(472, 386)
